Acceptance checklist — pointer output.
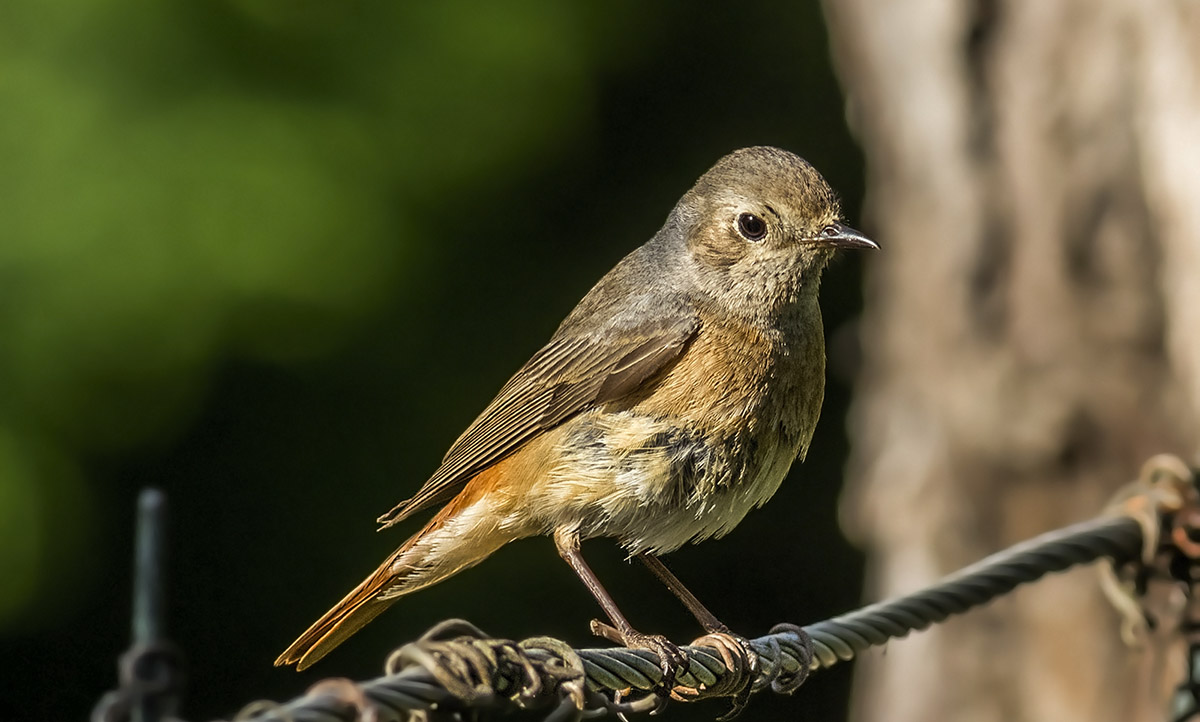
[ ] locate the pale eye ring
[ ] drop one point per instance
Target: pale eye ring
(751, 227)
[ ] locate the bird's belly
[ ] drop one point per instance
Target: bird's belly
(655, 485)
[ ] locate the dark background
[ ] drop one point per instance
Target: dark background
(273, 257)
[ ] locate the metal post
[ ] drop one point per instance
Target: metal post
(150, 670)
(149, 586)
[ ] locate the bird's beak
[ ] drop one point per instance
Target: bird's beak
(839, 235)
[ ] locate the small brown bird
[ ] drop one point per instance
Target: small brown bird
(669, 403)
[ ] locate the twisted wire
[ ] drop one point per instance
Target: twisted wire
(839, 639)
(446, 679)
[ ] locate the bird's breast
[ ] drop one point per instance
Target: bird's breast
(691, 455)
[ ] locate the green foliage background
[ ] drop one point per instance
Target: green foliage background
(273, 256)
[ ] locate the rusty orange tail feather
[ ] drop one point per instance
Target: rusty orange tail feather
(358, 607)
(429, 556)
(348, 616)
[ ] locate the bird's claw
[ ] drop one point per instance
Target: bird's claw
(672, 660)
(735, 650)
(606, 631)
(741, 664)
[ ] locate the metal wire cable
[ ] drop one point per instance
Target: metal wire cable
(839, 639)
(443, 676)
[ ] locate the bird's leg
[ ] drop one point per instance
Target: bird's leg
(671, 659)
(734, 649)
(706, 618)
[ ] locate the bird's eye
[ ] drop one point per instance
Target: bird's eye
(751, 227)
(831, 231)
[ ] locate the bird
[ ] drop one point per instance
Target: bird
(671, 401)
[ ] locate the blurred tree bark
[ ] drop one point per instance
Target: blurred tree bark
(1031, 327)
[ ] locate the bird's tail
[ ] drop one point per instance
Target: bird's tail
(459, 536)
(348, 616)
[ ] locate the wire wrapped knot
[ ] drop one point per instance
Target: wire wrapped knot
(481, 671)
(150, 673)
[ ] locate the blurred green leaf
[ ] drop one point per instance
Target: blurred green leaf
(192, 182)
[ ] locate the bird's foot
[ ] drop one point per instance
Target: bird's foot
(671, 659)
(735, 650)
(741, 664)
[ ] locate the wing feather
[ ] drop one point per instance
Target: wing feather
(570, 374)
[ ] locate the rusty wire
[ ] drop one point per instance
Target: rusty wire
(456, 672)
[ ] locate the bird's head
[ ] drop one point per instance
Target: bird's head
(760, 226)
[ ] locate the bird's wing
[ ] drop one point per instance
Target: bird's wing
(569, 375)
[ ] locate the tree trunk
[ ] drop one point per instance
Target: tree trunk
(1030, 333)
